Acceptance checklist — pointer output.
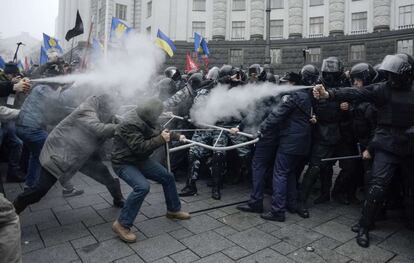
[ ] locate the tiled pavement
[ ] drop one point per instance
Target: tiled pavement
(78, 229)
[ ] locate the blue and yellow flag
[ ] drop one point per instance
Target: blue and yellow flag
(119, 29)
(43, 56)
(165, 43)
(2, 63)
(50, 42)
(200, 45)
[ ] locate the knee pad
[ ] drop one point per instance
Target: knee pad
(375, 194)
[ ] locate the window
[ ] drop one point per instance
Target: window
(199, 27)
(357, 52)
(359, 23)
(239, 5)
(199, 5)
(276, 4)
(238, 28)
(315, 2)
(275, 56)
(314, 55)
(236, 57)
(121, 11)
(316, 26)
(406, 17)
(405, 46)
(276, 29)
(149, 9)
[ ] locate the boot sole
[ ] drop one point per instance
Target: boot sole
(123, 239)
(178, 218)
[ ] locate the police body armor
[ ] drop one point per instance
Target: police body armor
(394, 118)
(399, 111)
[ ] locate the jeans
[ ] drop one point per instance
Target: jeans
(34, 139)
(14, 145)
(136, 177)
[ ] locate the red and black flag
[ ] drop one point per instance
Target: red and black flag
(77, 30)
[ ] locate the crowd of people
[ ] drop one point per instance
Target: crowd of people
(361, 118)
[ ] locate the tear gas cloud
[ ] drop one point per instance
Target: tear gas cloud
(222, 102)
(127, 69)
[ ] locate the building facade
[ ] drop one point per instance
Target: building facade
(352, 29)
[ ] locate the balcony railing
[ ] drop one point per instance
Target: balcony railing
(406, 26)
(316, 35)
(359, 32)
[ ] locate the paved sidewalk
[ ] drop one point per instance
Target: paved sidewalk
(78, 229)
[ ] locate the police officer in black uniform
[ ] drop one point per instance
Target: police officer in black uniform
(391, 144)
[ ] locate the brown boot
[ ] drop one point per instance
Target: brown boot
(124, 234)
(180, 215)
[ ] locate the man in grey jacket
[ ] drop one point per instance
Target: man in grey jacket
(72, 146)
(10, 233)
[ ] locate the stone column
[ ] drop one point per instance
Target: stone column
(219, 19)
(336, 17)
(382, 11)
(295, 18)
(257, 13)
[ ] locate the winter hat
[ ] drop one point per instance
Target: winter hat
(11, 68)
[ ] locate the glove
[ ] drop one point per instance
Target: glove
(257, 135)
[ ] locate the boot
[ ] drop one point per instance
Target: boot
(124, 233)
(363, 237)
(115, 189)
(180, 215)
(274, 216)
(215, 193)
(189, 190)
(15, 175)
(302, 211)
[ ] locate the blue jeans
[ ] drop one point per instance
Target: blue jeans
(286, 171)
(34, 139)
(136, 177)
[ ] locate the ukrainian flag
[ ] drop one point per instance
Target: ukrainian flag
(165, 43)
(50, 42)
(119, 29)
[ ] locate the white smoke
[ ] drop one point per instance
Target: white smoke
(127, 68)
(223, 102)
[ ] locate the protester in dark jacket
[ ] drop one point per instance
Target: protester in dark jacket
(71, 146)
(135, 140)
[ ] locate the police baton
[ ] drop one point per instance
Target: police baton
(350, 157)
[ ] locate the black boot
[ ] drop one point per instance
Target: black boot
(250, 208)
(302, 210)
(274, 216)
(363, 237)
(189, 190)
(115, 189)
(215, 193)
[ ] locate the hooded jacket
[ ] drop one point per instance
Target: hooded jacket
(139, 134)
(77, 137)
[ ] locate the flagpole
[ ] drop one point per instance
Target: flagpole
(87, 44)
(71, 51)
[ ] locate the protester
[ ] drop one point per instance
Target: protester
(10, 233)
(70, 147)
(135, 140)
